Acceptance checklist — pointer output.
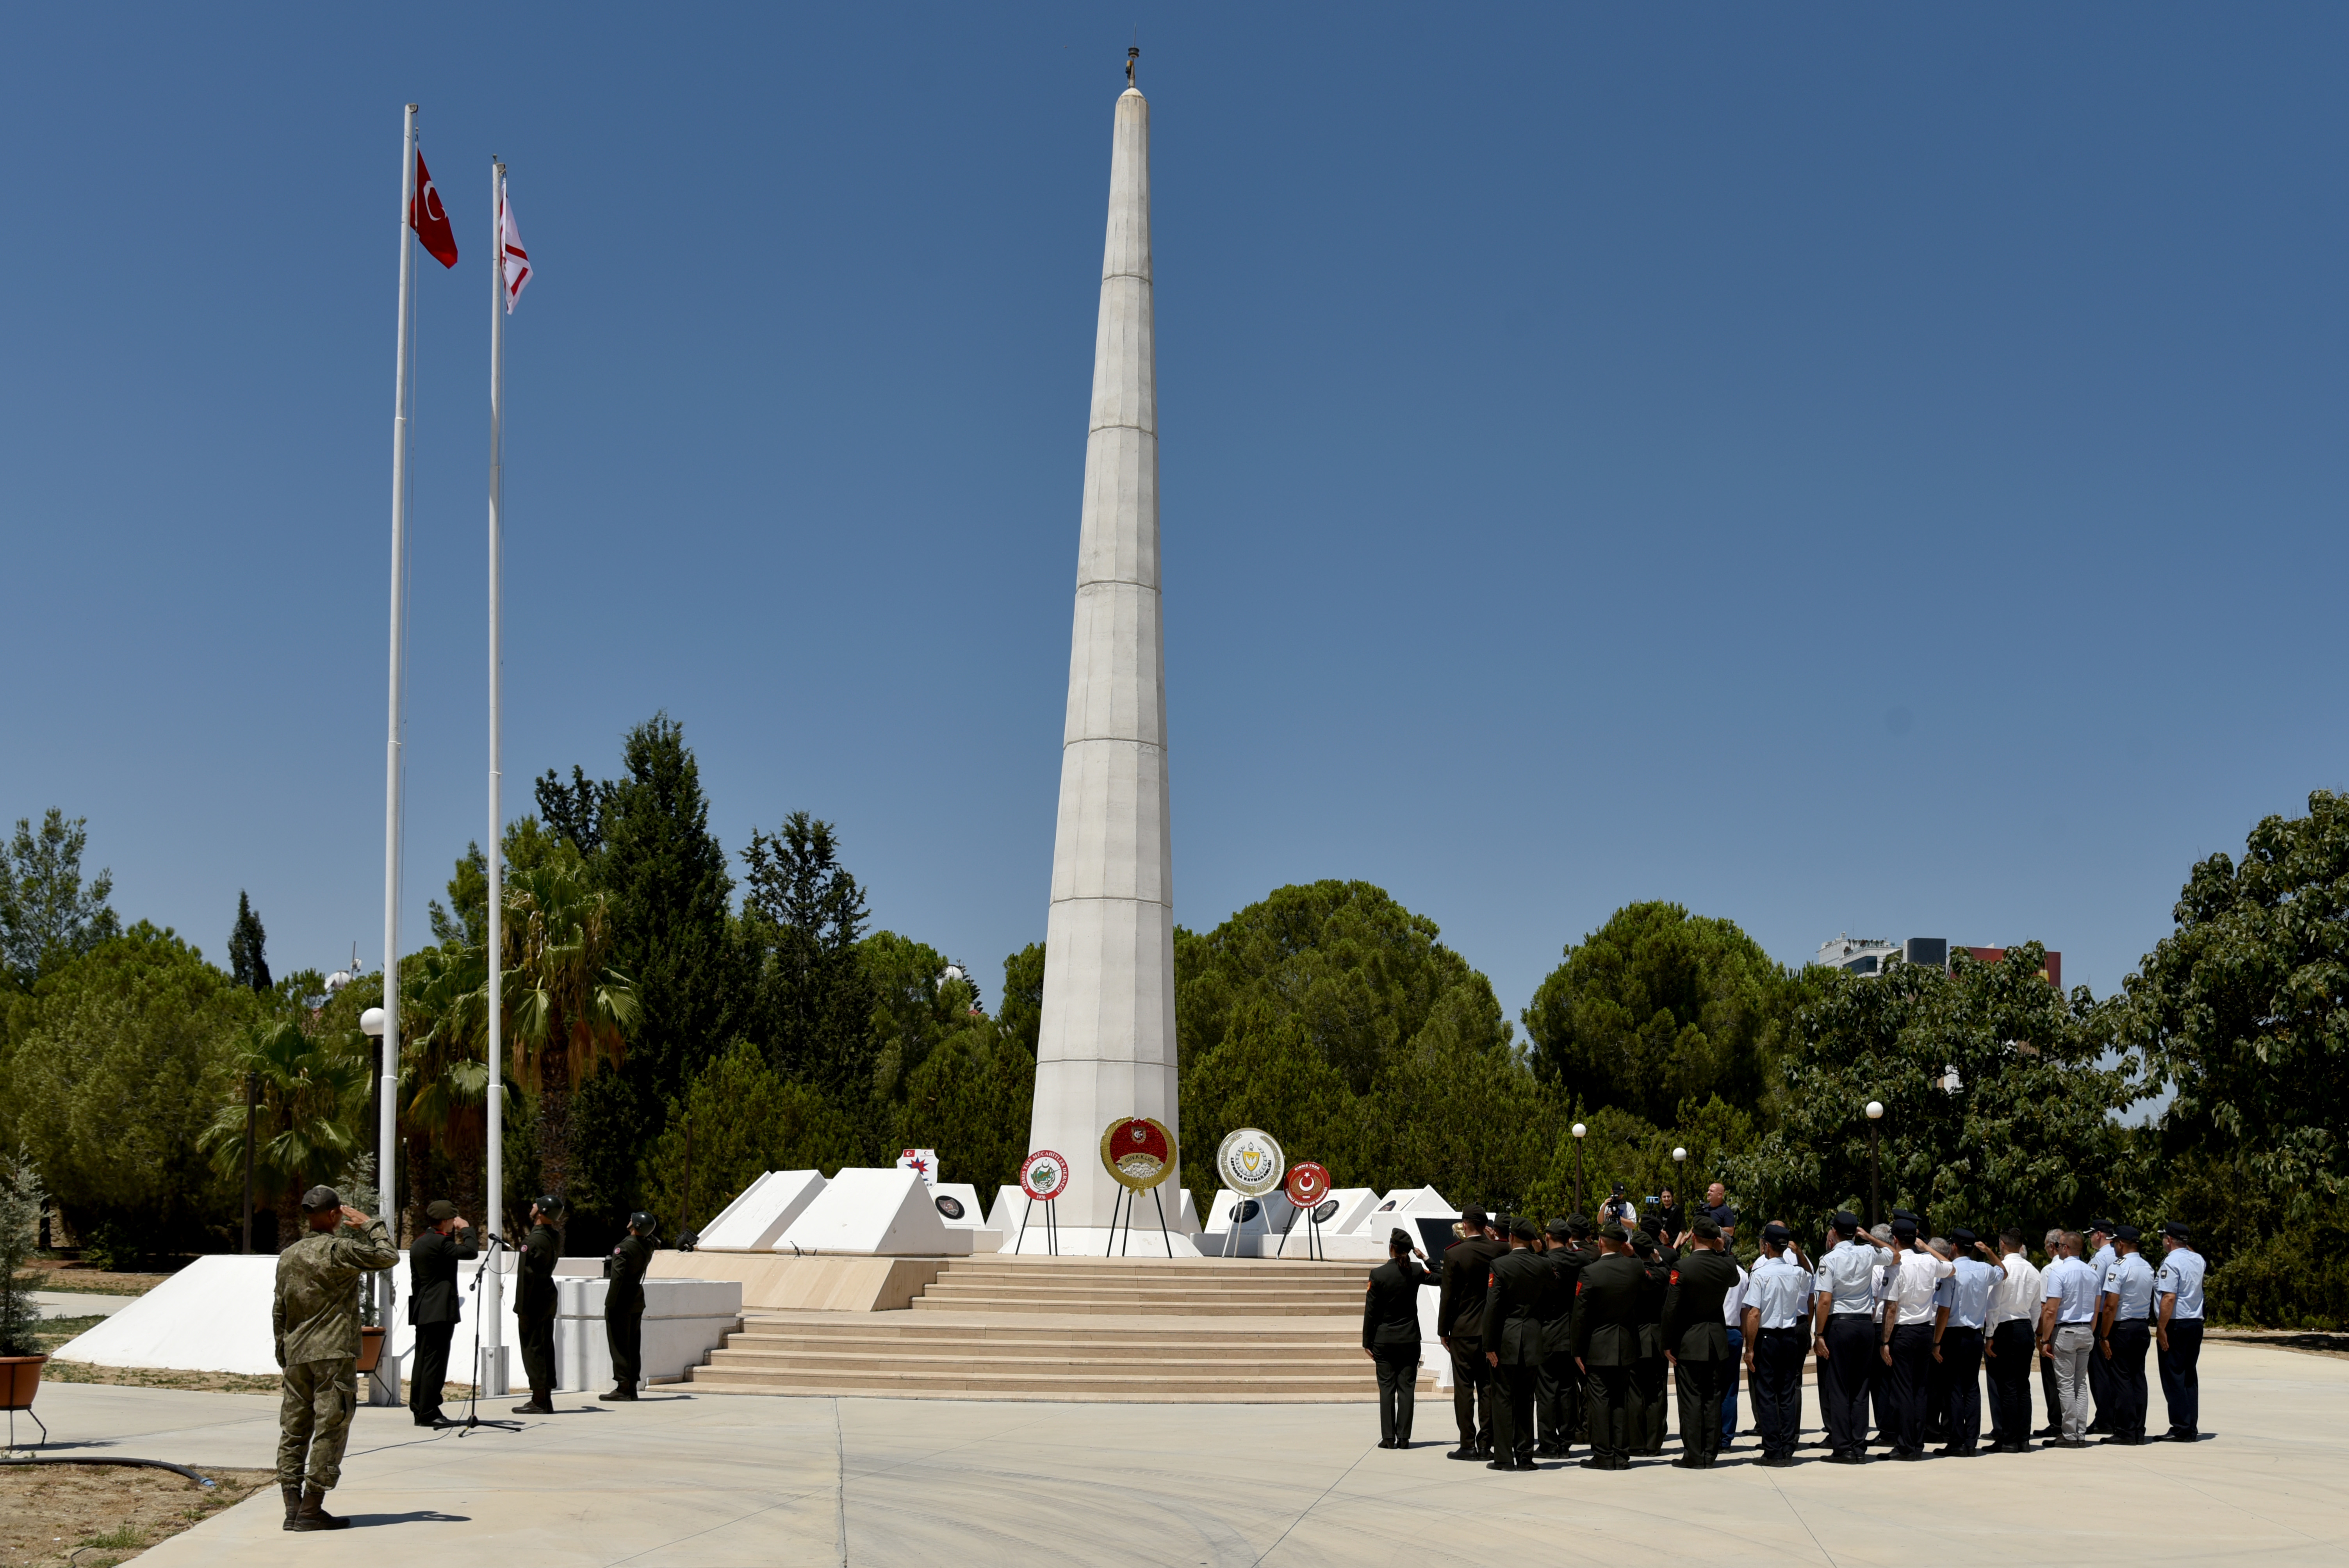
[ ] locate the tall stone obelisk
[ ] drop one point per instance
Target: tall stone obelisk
(1107, 1046)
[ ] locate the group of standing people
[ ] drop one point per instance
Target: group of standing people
(315, 1317)
(1569, 1333)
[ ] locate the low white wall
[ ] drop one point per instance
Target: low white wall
(685, 1320)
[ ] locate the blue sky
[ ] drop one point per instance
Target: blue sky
(1837, 469)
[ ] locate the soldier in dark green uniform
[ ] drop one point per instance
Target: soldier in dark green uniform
(314, 1314)
(534, 1304)
(1649, 1418)
(1606, 1313)
(1697, 1339)
(432, 1305)
(624, 1305)
(1513, 1343)
(1468, 1269)
(1557, 1387)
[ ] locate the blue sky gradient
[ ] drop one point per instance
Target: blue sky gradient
(1837, 469)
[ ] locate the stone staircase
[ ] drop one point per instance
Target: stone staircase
(1188, 1331)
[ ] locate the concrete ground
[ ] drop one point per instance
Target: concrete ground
(78, 1304)
(684, 1483)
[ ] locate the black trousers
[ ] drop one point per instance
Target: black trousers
(1912, 1372)
(2127, 1367)
(538, 1354)
(1700, 1384)
(624, 1333)
(1851, 1373)
(1777, 1388)
(2101, 1390)
(1513, 1411)
(2181, 1388)
(430, 1370)
(1398, 1391)
(1879, 1394)
(1558, 1403)
(1647, 1412)
(1961, 1365)
(1939, 1389)
(2009, 1381)
(1606, 1400)
(1471, 1386)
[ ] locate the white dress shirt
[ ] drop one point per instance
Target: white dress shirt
(1733, 1305)
(2019, 1294)
(1910, 1286)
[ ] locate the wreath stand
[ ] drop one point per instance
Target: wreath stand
(1128, 1196)
(1051, 1229)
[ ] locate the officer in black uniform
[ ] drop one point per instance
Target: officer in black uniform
(1391, 1336)
(1609, 1305)
(1649, 1414)
(1520, 1282)
(1696, 1336)
(1557, 1387)
(432, 1304)
(624, 1305)
(534, 1304)
(1467, 1271)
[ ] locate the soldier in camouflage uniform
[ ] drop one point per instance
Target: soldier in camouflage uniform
(317, 1318)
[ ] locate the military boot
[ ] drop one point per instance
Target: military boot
(292, 1500)
(313, 1514)
(625, 1391)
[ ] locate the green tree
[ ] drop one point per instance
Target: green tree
(445, 1071)
(122, 1055)
(2024, 1135)
(805, 915)
(1657, 1006)
(568, 1012)
(47, 915)
(968, 1098)
(1021, 1014)
(306, 1124)
(1361, 973)
(246, 966)
(745, 1120)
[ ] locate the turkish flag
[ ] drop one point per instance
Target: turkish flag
(430, 219)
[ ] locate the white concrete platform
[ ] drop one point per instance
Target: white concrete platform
(680, 1482)
(78, 1303)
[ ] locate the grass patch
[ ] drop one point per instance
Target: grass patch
(95, 1514)
(159, 1378)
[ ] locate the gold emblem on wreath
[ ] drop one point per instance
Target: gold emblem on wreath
(1138, 1153)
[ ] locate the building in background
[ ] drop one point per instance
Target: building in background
(1866, 955)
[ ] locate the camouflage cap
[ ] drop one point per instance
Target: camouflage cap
(318, 1199)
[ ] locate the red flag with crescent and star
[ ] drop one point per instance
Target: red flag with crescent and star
(430, 219)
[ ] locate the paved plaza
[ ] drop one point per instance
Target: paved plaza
(683, 1482)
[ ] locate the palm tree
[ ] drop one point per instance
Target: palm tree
(567, 1011)
(444, 999)
(313, 1093)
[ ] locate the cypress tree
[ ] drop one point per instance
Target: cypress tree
(246, 940)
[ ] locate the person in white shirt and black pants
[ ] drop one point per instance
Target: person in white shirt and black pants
(1907, 1337)
(2007, 1352)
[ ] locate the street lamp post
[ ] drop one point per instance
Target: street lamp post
(1580, 1129)
(1875, 1182)
(1679, 1176)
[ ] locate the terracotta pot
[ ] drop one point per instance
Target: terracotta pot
(20, 1379)
(370, 1348)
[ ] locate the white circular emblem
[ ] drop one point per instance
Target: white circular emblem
(1250, 1161)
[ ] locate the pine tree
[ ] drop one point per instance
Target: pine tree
(245, 940)
(806, 914)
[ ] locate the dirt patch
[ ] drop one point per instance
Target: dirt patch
(94, 1515)
(2308, 1342)
(57, 1273)
(159, 1378)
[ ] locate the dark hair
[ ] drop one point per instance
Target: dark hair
(2010, 1237)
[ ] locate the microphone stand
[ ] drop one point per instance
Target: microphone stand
(473, 1402)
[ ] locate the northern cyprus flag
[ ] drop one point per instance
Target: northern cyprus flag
(509, 246)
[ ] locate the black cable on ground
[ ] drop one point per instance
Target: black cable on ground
(111, 1460)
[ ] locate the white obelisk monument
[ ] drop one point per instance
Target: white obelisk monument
(1107, 1046)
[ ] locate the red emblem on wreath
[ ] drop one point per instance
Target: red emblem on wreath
(1308, 1184)
(1044, 1174)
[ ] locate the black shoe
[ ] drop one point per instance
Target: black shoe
(1503, 1465)
(535, 1407)
(625, 1391)
(1597, 1464)
(2122, 1439)
(431, 1421)
(2181, 1435)
(1464, 1452)
(2051, 1429)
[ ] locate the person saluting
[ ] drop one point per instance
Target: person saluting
(314, 1315)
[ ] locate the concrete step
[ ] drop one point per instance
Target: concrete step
(731, 1358)
(1119, 1351)
(933, 1328)
(1042, 1383)
(704, 1384)
(1202, 1308)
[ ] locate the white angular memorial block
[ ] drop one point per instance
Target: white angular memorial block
(1353, 1202)
(766, 1209)
(948, 1197)
(1106, 1047)
(877, 1214)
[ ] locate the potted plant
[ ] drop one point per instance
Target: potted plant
(21, 1359)
(372, 1287)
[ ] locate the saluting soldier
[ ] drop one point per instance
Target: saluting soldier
(1514, 1344)
(1608, 1306)
(2179, 1286)
(534, 1304)
(1962, 1309)
(2101, 1258)
(624, 1305)
(1649, 1415)
(315, 1320)
(1777, 1328)
(1844, 1334)
(2127, 1313)
(1391, 1336)
(1557, 1387)
(1459, 1312)
(433, 1302)
(1697, 1340)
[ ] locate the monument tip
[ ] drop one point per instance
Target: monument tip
(1133, 53)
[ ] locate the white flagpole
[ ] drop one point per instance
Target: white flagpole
(490, 1375)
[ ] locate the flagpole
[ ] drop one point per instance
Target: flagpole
(387, 1098)
(489, 1376)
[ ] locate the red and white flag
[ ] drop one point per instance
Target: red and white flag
(430, 219)
(517, 259)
